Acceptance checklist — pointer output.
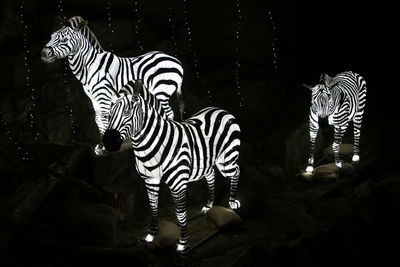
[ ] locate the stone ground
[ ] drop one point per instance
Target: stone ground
(347, 220)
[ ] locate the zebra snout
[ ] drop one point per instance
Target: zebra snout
(47, 55)
(112, 140)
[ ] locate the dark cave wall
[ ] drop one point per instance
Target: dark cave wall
(312, 38)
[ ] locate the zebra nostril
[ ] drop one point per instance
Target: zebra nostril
(112, 140)
(46, 52)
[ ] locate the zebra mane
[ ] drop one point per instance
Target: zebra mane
(148, 97)
(75, 21)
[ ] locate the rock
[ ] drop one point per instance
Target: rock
(327, 172)
(167, 236)
(223, 217)
(90, 224)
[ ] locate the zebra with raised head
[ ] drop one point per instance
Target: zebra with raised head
(341, 99)
(104, 74)
(175, 153)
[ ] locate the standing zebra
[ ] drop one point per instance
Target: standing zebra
(175, 153)
(341, 99)
(104, 74)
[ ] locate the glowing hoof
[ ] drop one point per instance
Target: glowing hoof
(149, 238)
(204, 210)
(339, 164)
(99, 150)
(309, 169)
(180, 248)
(234, 204)
(356, 158)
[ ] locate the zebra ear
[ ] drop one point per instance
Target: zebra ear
(81, 25)
(308, 86)
(138, 87)
(323, 78)
(130, 97)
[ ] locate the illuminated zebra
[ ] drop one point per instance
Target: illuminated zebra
(104, 74)
(175, 152)
(341, 99)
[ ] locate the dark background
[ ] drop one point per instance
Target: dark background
(312, 37)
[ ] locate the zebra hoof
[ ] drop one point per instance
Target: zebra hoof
(99, 150)
(355, 158)
(180, 248)
(309, 169)
(234, 204)
(204, 210)
(149, 238)
(339, 164)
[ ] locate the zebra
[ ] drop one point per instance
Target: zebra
(176, 153)
(342, 99)
(103, 74)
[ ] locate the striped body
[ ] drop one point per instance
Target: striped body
(342, 100)
(104, 74)
(178, 153)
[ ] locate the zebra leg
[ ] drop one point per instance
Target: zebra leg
(101, 121)
(181, 214)
(357, 132)
(210, 177)
(233, 202)
(313, 137)
(153, 187)
(337, 140)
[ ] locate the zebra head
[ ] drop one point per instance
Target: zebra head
(126, 119)
(65, 41)
(321, 100)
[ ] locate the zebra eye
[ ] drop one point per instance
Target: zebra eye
(127, 113)
(64, 40)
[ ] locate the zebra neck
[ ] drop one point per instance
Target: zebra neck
(153, 125)
(81, 61)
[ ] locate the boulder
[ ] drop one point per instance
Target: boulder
(167, 236)
(223, 217)
(327, 172)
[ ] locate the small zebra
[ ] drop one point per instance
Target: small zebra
(104, 74)
(341, 99)
(175, 152)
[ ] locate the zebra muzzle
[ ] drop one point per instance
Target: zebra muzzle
(47, 55)
(112, 140)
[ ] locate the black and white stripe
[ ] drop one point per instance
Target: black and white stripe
(176, 152)
(104, 74)
(341, 99)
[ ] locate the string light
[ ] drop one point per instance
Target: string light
(172, 26)
(274, 52)
(138, 24)
(194, 56)
(110, 29)
(68, 106)
(27, 66)
(237, 63)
